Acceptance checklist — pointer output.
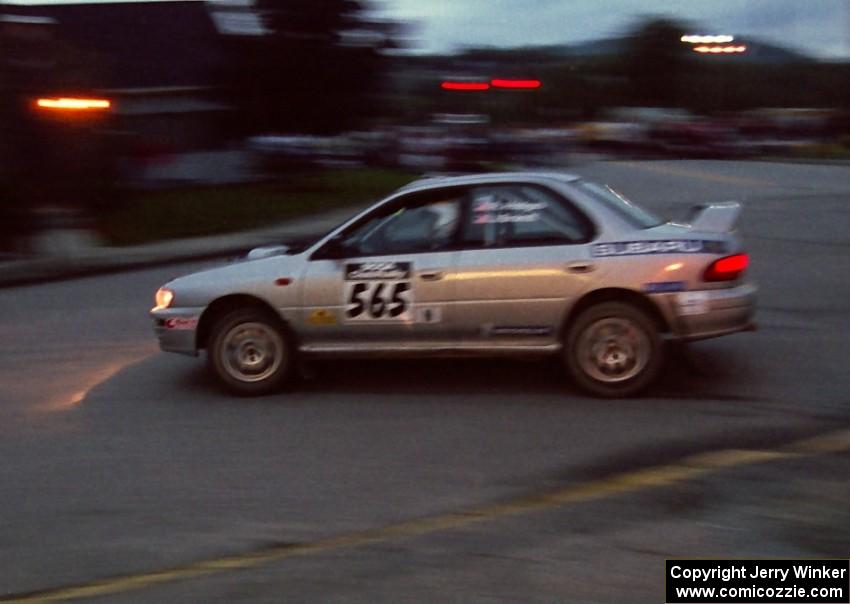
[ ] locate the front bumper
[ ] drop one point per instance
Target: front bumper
(176, 329)
(697, 315)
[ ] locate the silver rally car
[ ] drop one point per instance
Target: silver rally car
(494, 264)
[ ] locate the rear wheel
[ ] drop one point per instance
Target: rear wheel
(249, 352)
(613, 349)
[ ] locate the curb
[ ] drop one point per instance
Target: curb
(802, 160)
(41, 270)
(104, 260)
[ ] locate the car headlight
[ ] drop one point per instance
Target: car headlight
(164, 297)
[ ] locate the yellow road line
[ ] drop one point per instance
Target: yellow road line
(734, 457)
(657, 476)
(699, 174)
(832, 442)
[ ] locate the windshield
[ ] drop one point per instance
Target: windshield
(617, 202)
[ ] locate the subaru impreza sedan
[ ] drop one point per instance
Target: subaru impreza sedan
(494, 264)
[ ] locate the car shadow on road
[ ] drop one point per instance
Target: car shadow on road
(690, 372)
(437, 376)
(708, 373)
(711, 370)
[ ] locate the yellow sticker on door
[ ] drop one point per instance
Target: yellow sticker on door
(322, 317)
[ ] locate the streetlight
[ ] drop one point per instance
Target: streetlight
(713, 44)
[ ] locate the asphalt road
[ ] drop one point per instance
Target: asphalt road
(119, 460)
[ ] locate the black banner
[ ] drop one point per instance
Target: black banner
(757, 581)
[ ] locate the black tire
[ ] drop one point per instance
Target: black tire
(249, 352)
(613, 349)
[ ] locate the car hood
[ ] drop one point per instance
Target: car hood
(244, 276)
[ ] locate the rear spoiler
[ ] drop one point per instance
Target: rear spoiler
(715, 217)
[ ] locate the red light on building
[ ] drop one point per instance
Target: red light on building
(516, 84)
(465, 86)
(73, 104)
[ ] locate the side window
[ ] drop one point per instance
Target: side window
(516, 215)
(420, 226)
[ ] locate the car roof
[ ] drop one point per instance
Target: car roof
(441, 180)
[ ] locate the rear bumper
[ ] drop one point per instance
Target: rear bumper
(176, 329)
(697, 315)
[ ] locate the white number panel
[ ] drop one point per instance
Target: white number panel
(378, 291)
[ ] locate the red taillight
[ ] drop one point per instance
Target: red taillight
(726, 269)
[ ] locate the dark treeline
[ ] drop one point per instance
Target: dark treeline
(651, 67)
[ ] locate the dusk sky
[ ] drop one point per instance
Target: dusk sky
(820, 28)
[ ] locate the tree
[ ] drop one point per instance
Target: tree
(656, 62)
(319, 67)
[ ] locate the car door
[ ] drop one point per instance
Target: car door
(525, 257)
(387, 280)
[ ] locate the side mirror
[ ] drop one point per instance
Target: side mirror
(266, 251)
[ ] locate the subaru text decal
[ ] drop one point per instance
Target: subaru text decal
(668, 246)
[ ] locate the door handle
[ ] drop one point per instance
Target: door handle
(431, 275)
(581, 267)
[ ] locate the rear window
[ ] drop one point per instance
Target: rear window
(608, 197)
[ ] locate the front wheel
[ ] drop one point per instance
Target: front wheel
(249, 352)
(613, 349)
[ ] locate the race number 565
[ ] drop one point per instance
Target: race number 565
(378, 301)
